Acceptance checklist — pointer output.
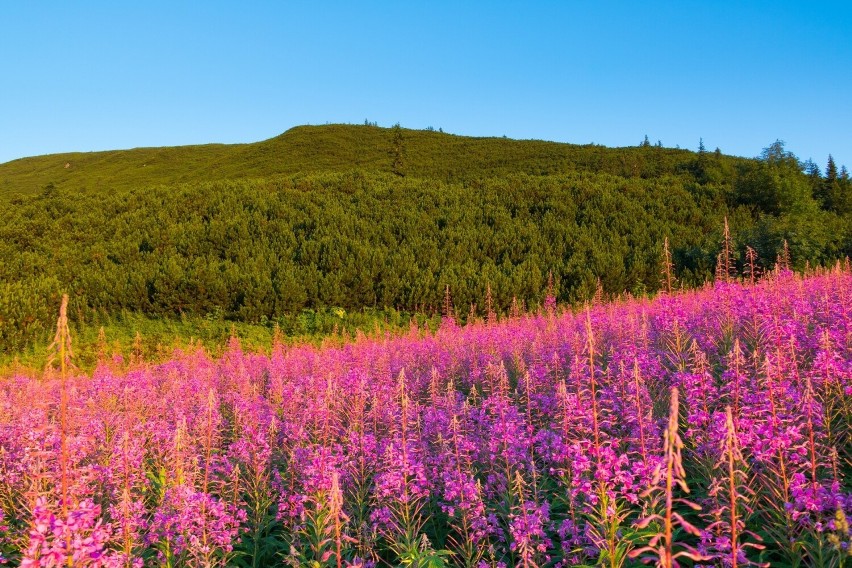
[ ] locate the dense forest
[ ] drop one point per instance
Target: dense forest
(356, 217)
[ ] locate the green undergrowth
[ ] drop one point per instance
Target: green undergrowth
(135, 336)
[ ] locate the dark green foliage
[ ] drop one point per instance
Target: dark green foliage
(831, 170)
(836, 189)
(383, 219)
(26, 309)
(774, 184)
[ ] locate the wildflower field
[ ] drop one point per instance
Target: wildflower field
(709, 428)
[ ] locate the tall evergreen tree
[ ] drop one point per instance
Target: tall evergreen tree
(812, 169)
(831, 170)
(701, 162)
(818, 186)
(840, 193)
(836, 193)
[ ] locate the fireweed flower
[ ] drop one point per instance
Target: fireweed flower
(78, 540)
(402, 480)
(195, 524)
(572, 403)
(527, 528)
(461, 492)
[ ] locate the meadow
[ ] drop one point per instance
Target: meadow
(701, 428)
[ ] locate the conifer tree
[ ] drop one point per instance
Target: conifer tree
(831, 170)
(836, 190)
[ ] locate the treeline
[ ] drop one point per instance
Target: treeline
(255, 250)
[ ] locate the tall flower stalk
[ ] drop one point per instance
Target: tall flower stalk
(733, 496)
(662, 549)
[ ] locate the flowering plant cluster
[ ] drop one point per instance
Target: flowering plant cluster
(711, 427)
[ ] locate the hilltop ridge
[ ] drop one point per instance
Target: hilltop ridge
(337, 147)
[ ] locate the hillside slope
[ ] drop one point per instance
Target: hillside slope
(307, 149)
(352, 217)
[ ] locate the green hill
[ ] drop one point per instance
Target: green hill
(354, 218)
(310, 149)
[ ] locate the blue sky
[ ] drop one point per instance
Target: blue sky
(87, 76)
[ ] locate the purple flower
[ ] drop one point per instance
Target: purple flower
(79, 538)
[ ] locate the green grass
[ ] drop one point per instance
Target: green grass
(159, 337)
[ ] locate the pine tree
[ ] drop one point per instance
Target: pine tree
(836, 189)
(831, 170)
(699, 168)
(818, 185)
(812, 169)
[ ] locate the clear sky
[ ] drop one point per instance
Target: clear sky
(80, 76)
